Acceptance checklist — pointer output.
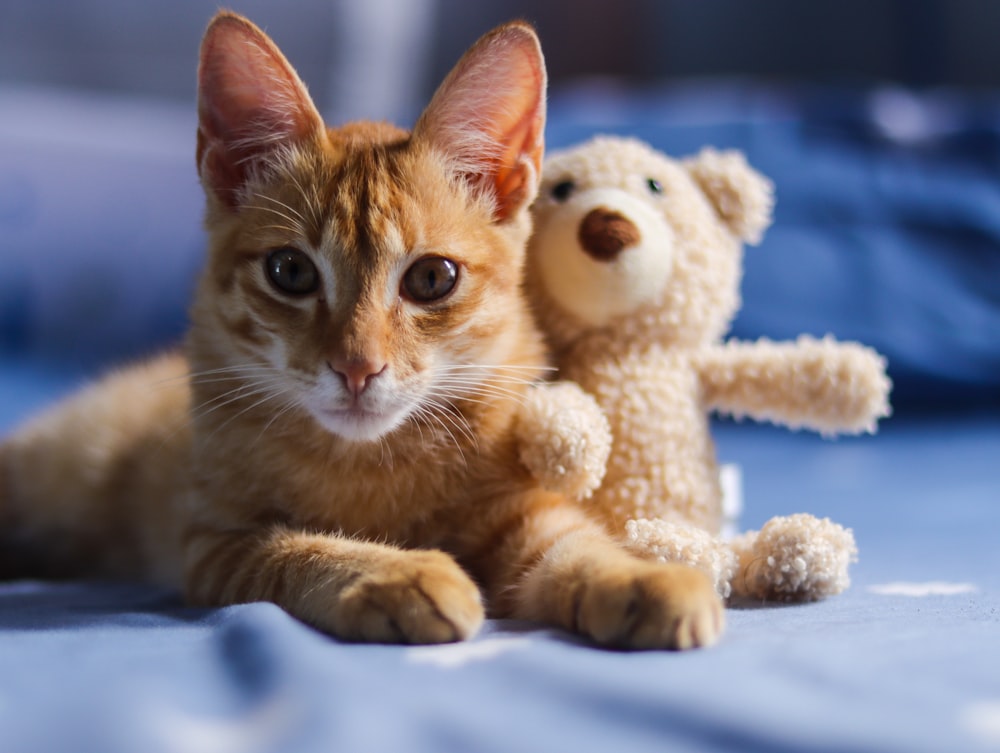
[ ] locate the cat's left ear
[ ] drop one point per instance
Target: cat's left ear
(250, 102)
(488, 117)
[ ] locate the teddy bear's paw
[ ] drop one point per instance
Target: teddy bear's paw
(795, 558)
(850, 390)
(564, 439)
(649, 605)
(669, 541)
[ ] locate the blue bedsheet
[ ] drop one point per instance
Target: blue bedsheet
(907, 660)
(886, 235)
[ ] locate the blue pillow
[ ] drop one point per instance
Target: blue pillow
(100, 237)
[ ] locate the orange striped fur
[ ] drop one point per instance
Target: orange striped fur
(331, 440)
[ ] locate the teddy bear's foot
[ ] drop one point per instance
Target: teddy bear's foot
(669, 541)
(794, 558)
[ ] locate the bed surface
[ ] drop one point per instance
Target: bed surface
(907, 660)
(887, 239)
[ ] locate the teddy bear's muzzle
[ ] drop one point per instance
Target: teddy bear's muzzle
(605, 233)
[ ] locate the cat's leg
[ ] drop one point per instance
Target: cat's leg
(794, 558)
(355, 590)
(555, 565)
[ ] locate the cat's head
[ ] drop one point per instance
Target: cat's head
(364, 274)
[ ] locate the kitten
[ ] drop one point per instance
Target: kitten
(337, 437)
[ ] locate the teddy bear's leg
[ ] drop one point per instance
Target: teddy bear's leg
(669, 541)
(794, 558)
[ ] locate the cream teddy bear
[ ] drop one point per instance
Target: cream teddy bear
(634, 269)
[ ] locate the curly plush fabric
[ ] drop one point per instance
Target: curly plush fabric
(634, 269)
(564, 439)
(794, 558)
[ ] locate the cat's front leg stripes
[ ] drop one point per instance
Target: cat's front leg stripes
(355, 590)
(575, 576)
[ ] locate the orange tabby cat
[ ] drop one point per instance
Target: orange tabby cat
(338, 437)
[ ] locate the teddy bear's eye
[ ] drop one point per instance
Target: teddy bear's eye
(654, 186)
(562, 190)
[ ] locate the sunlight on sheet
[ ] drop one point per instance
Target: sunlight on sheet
(931, 588)
(455, 655)
(982, 720)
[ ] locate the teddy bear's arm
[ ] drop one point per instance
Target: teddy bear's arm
(824, 385)
(564, 438)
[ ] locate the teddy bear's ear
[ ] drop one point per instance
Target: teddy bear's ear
(742, 197)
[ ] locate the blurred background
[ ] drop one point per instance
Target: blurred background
(878, 120)
(382, 58)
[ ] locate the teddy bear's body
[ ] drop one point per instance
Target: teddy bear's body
(634, 269)
(663, 463)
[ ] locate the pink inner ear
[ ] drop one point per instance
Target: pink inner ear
(249, 101)
(489, 116)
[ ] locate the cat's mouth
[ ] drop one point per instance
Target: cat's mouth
(358, 424)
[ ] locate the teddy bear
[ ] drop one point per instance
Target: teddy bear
(634, 271)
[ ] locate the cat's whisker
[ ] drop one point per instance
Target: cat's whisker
(234, 396)
(290, 404)
(482, 390)
(386, 449)
(498, 367)
(295, 214)
(197, 376)
(283, 228)
(309, 201)
(487, 378)
(267, 398)
(455, 419)
(458, 396)
(427, 415)
(463, 379)
(247, 386)
(473, 396)
(492, 379)
(234, 378)
(199, 411)
(235, 369)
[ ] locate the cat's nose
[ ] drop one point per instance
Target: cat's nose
(605, 233)
(357, 374)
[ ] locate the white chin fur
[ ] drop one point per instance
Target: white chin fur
(598, 291)
(359, 426)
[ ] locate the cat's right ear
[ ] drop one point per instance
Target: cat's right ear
(488, 118)
(250, 102)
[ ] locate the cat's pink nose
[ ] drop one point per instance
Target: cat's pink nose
(357, 373)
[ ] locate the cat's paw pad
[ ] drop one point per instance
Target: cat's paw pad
(423, 597)
(650, 605)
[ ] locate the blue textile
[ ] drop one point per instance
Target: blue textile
(907, 660)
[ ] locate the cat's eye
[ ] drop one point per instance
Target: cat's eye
(430, 279)
(291, 271)
(563, 190)
(654, 186)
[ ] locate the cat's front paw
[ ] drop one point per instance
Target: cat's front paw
(646, 605)
(419, 597)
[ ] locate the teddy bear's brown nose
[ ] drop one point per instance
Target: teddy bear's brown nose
(604, 234)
